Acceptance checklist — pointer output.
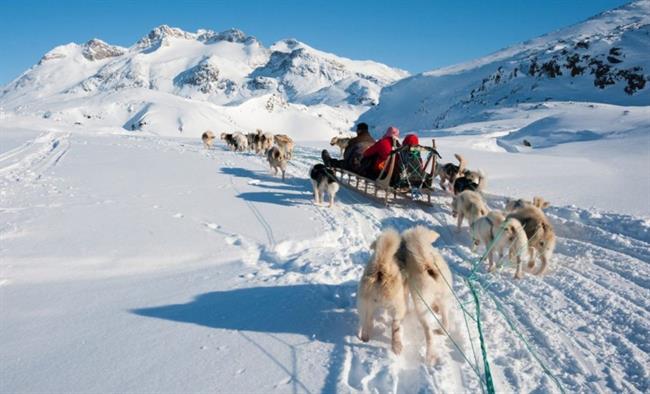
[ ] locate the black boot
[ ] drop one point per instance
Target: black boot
(327, 159)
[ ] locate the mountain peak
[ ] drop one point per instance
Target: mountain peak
(230, 35)
(158, 34)
(287, 45)
(97, 49)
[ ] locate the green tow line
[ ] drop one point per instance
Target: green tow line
(489, 382)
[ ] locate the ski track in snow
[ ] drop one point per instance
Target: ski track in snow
(588, 318)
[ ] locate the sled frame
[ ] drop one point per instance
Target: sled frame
(380, 188)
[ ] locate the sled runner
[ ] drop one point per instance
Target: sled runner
(407, 176)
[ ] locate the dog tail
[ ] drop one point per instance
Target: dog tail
(547, 236)
(478, 211)
(461, 163)
(482, 180)
(386, 247)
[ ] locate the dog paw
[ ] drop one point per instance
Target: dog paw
(438, 331)
(364, 337)
(519, 275)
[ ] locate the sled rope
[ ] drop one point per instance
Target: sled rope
(529, 347)
(489, 382)
(501, 310)
(474, 367)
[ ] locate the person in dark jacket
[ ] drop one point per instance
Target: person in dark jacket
(353, 154)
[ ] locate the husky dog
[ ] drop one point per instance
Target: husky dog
(484, 230)
(538, 202)
(515, 239)
(341, 142)
(208, 139)
(540, 234)
(449, 172)
(263, 141)
(285, 143)
(383, 286)
(323, 181)
(429, 280)
(251, 137)
(227, 138)
(470, 180)
(470, 205)
(276, 160)
(240, 142)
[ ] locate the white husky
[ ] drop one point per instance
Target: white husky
(429, 280)
(468, 204)
(382, 286)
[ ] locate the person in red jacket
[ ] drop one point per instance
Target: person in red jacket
(377, 155)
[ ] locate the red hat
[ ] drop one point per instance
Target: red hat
(411, 139)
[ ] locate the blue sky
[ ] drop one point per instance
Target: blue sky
(413, 35)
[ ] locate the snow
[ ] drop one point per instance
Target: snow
(142, 263)
(134, 260)
(573, 122)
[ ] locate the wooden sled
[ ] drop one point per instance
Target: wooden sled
(381, 190)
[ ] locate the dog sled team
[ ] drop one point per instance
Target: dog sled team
(277, 148)
(406, 266)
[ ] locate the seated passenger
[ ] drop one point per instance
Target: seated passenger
(375, 157)
(412, 172)
(412, 157)
(353, 154)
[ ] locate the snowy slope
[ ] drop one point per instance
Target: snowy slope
(605, 59)
(206, 77)
(134, 263)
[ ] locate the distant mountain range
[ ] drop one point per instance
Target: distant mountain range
(218, 72)
(173, 82)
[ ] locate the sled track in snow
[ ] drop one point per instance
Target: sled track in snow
(588, 318)
(30, 160)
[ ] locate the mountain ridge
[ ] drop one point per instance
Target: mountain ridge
(605, 59)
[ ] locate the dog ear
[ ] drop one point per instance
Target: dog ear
(540, 203)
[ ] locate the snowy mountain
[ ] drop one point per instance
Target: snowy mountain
(605, 59)
(208, 77)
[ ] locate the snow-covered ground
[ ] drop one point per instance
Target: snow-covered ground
(134, 263)
(133, 260)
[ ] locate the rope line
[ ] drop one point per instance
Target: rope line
(474, 367)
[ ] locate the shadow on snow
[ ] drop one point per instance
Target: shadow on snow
(320, 312)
